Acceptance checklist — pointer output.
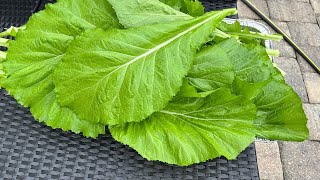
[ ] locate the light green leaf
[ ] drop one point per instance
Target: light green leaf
(211, 69)
(191, 7)
(193, 130)
(136, 13)
(121, 76)
(280, 113)
(37, 50)
(251, 62)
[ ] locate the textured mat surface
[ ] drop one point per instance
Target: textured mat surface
(31, 150)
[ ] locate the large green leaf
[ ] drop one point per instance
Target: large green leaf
(280, 112)
(37, 50)
(193, 130)
(119, 76)
(280, 115)
(136, 13)
(191, 7)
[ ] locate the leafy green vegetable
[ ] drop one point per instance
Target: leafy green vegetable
(145, 12)
(33, 57)
(280, 113)
(191, 7)
(174, 87)
(122, 76)
(192, 130)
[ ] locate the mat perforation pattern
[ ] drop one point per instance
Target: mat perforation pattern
(31, 150)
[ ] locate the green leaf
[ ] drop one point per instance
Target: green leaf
(120, 76)
(280, 113)
(211, 69)
(136, 13)
(193, 130)
(191, 7)
(251, 62)
(37, 50)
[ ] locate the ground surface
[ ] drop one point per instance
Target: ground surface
(300, 19)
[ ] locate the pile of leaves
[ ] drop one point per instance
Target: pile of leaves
(175, 84)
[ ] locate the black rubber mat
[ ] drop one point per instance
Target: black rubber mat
(31, 150)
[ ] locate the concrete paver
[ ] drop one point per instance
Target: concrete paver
(249, 14)
(316, 6)
(288, 10)
(293, 75)
(269, 162)
(313, 113)
(312, 82)
(305, 34)
(300, 160)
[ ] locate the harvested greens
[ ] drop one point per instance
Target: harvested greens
(175, 84)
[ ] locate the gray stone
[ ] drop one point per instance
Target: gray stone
(305, 34)
(285, 49)
(313, 113)
(269, 162)
(312, 82)
(313, 53)
(293, 75)
(247, 13)
(289, 10)
(316, 6)
(300, 161)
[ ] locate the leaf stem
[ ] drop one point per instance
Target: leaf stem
(253, 35)
(220, 33)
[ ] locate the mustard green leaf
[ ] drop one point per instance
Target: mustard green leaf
(193, 130)
(119, 76)
(280, 115)
(33, 56)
